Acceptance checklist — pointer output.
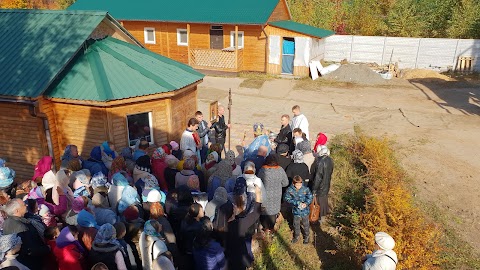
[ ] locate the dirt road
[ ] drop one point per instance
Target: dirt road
(435, 127)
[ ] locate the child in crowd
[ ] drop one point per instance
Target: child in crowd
(50, 234)
(300, 198)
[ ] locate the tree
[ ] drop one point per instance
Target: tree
(404, 20)
(436, 16)
(465, 20)
(363, 17)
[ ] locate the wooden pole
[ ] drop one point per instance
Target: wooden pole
(229, 117)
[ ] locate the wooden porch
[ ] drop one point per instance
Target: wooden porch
(227, 59)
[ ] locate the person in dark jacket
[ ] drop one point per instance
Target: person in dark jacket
(299, 197)
(189, 228)
(171, 171)
(298, 167)
(134, 228)
(107, 249)
(283, 157)
(239, 235)
(203, 130)
(285, 135)
(33, 249)
(221, 129)
(321, 175)
(207, 253)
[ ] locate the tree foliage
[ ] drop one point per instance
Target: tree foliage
(410, 18)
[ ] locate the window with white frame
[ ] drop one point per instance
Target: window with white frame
(149, 35)
(182, 37)
(240, 39)
(139, 127)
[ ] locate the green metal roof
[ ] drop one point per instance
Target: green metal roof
(111, 69)
(302, 28)
(35, 45)
(194, 11)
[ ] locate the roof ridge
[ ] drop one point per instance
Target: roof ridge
(59, 11)
(98, 72)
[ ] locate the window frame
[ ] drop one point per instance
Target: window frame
(232, 38)
(179, 43)
(150, 123)
(145, 35)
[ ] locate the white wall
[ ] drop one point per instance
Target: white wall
(434, 53)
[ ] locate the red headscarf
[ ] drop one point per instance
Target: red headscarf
(321, 140)
(43, 166)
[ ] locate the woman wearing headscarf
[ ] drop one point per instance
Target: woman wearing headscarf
(7, 176)
(152, 245)
(159, 165)
(69, 252)
(108, 153)
(87, 226)
(274, 178)
(220, 176)
(171, 171)
(10, 245)
(95, 164)
(128, 157)
(210, 164)
(181, 178)
(43, 166)
(78, 204)
(236, 170)
(383, 257)
(306, 149)
(103, 213)
(157, 213)
(118, 165)
(56, 209)
(81, 183)
(321, 140)
(219, 198)
(70, 153)
(298, 167)
(107, 249)
(142, 170)
(119, 182)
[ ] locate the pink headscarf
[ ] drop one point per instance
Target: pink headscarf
(43, 166)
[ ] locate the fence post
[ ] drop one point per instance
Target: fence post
(418, 50)
(351, 49)
(384, 47)
(454, 64)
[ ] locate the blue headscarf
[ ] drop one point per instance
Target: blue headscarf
(107, 150)
(86, 219)
(230, 185)
(2, 162)
(6, 177)
(127, 153)
(150, 230)
(81, 191)
(99, 180)
(106, 235)
(67, 154)
(119, 180)
(96, 154)
(129, 197)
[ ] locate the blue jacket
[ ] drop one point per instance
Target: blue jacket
(296, 197)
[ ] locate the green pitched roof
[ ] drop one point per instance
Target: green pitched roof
(302, 28)
(194, 11)
(111, 69)
(35, 45)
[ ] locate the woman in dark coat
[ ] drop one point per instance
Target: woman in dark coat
(321, 175)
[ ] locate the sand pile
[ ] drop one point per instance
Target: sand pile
(409, 74)
(360, 74)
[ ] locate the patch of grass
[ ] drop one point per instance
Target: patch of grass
(254, 79)
(309, 84)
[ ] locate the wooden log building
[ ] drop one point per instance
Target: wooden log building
(203, 34)
(78, 77)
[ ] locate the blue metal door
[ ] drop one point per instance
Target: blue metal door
(288, 54)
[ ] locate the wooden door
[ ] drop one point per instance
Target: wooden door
(216, 37)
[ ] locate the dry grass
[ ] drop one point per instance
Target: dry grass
(254, 80)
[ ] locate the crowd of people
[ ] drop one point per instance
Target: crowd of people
(190, 204)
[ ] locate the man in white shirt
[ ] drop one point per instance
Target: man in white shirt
(299, 121)
(187, 142)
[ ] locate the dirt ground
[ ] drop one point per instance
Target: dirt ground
(434, 124)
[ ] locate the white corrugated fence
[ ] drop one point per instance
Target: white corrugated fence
(431, 53)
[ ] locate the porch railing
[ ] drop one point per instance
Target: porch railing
(215, 59)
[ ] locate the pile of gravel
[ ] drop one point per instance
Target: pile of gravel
(360, 74)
